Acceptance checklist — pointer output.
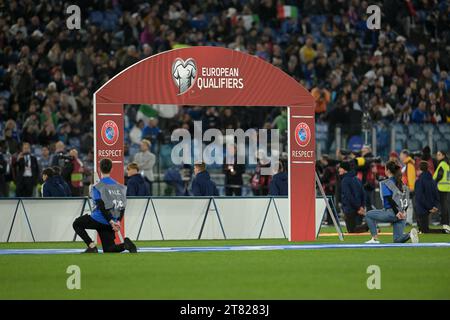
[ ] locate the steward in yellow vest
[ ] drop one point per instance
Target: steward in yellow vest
(442, 176)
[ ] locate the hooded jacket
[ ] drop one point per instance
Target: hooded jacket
(352, 193)
(137, 186)
(53, 188)
(65, 185)
(279, 184)
(426, 193)
(202, 185)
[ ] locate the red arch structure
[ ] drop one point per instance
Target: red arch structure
(215, 76)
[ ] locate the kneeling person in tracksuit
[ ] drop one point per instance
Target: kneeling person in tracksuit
(394, 195)
(110, 200)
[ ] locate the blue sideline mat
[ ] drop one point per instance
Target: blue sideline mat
(242, 248)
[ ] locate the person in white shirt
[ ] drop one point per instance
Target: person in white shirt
(136, 132)
(146, 161)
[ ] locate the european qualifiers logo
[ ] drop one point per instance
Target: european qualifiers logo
(110, 133)
(184, 74)
(302, 134)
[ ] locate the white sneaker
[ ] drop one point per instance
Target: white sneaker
(414, 235)
(446, 228)
(372, 241)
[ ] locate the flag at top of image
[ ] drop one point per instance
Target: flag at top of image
(287, 12)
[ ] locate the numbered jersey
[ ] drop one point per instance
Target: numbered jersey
(400, 197)
(114, 197)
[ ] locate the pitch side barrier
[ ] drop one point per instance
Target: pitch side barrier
(154, 218)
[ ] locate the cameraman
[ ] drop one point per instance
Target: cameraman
(352, 199)
(76, 170)
(342, 155)
(63, 161)
(233, 173)
(368, 173)
(327, 170)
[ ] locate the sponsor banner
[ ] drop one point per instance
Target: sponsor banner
(109, 143)
(204, 76)
(211, 76)
(109, 137)
(301, 174)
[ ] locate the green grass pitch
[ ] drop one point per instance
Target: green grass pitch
(406, 273)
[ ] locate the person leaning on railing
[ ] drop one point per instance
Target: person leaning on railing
(52, 186)
(136, 184)
(202, 185)
(279, 184)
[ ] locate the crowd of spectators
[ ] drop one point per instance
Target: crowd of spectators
(48, 73)
(370, 171)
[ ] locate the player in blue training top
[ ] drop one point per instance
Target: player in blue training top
(394, 195)
(109, 198)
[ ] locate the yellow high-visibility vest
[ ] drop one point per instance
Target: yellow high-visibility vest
(444, 184)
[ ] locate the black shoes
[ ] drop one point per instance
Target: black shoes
(91, 250)
(129, 245)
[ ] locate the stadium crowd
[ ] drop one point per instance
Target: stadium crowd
(49, 73)
(370, 171)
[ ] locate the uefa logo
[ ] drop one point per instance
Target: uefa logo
(302, 134)
(110, 133)
(184, 74)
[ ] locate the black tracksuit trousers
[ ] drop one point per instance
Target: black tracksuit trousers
(105, 232)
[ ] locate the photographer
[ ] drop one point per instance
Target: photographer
(259, 183)
(76, 170)
(368, 173)
(393, 156)
(425, 155)
(342, 155)
(27, 172)
(327, 170)
(63, 161)
(352, 199)
(233, 173)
